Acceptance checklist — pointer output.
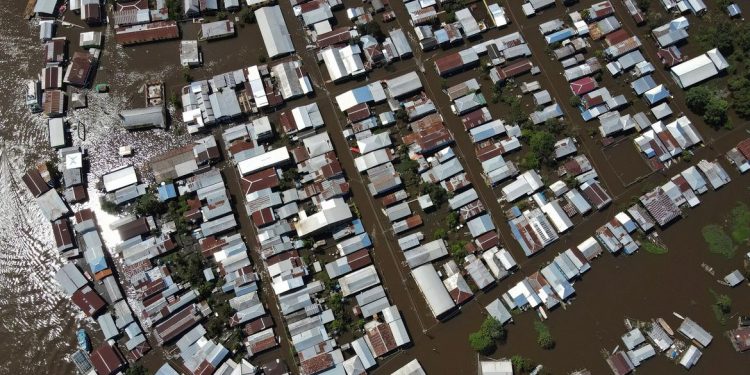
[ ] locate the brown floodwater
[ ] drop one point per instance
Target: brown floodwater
(38, 324)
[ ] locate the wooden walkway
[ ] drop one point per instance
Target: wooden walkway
(29, 12)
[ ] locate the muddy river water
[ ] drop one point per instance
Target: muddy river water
(37, 323)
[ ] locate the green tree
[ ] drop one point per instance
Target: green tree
(248, 16)
(493, 328)
(542, 144)
(439, 233)
(481, 343)
(451, 220)
(136, 369)
(644, 4)
(716, 112)
(697, 99)
(574, 101)
(740, 93)
(147, 204)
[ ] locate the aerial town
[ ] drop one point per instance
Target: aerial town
(411, 187)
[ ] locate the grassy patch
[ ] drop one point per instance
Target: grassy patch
(739, 222)
(653, 248)
(544, 337)
(718, 241)
(721, 307)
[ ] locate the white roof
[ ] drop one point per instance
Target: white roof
(502, 367)
(558, 217)
(694, 70)
(332, 211)
(273, 30)
(119, 178)
(433, 289)
(262, 161)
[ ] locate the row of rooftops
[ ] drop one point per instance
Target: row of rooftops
(317, 183)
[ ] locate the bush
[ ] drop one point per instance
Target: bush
(439, 234)
(136, 369)
(653, 248)
(718, 241)
(644, 4)
(739, 221)
(544, 337)
(481, 343)
(521, 365)
(108, 206)
(574, 101)
(248, 16)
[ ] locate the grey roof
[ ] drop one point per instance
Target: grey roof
(693, 331)
(633, 338)
(225, 104)
(480, 225)
(404, 84)
(551, 111)
(497, 310)
(426, 253)
(107, 324)
(463, 199)
(433, 290)
(274, 31)
(143, 117)
(400, 42)
(45, 6)
(643, 84)
(52, 205)
(359, 280)
(734, 278)
(70, 278)
(398, 211)
(56, 128)
(219, 225)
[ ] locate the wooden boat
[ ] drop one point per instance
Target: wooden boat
(665, 326)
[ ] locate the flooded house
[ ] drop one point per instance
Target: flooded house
(274, 31)
(147, 33)
(438, 299)
(699, 68)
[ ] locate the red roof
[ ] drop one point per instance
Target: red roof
(392, 198)
(596, 195)
(88, 300)
(80, 68)
(476, 118)
(264, 179)
(488, 240)
(744, 148)
(258, 325)
(83, 215)
(471, 210)
(316, 364)
(263, 217)
(449, 63)
(161, 30)
(339, 35)
(107, 360)
(583, 85)
(358, 112)
(63, 237)
(381, 339)
(358, 259)
(616, 37)
(515, 69)
(34, 181)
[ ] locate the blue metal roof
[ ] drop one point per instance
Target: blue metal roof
(167, 192)
(98, 264)
(559, 36)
